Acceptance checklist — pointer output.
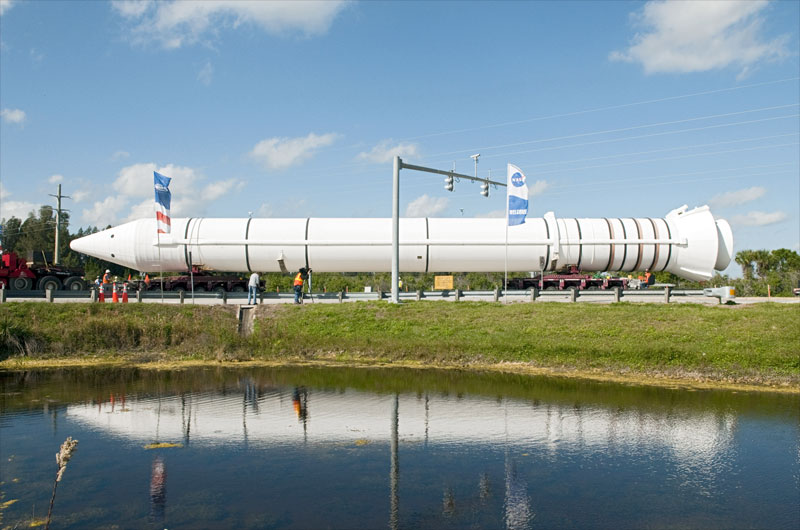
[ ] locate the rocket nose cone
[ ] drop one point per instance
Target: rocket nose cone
(108, 245)
(89, 245)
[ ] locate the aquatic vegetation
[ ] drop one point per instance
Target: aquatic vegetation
(62, 459)
(162, 445)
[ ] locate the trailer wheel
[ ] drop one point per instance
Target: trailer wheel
(21, 283)
(49, 282)
(238, 289)
(179, 289)
(219, 289)
(199, 289)
(74, 283)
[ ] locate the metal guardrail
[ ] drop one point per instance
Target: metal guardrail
(453, 295)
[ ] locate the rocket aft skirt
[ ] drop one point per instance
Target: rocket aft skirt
(690, 244)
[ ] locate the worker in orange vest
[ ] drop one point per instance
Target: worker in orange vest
(648, 279)
(107, 276)
(298, 283)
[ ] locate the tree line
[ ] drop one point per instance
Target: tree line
(763, 271)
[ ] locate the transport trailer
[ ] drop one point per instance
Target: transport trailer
(202, 283)
(18, 275)
(572, 279)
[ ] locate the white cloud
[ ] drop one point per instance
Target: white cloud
(177, 23)
(18, 209)
(681, 37)
(758, 218)
(131, 8)
(215, 190)
(80, 195)
(137, 180)
(133, 198)
(265, 210)
(104, 212)
(735, 198)
(56, 179)
(425, 206)
(120, 155)
(281, 153)
(5, 5)
(537, 188)
(206, 74)
(495, 214)
(13, 115)
(386, 150)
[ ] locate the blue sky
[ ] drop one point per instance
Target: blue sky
(294, 109)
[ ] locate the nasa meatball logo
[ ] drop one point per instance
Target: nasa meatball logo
(517, 179)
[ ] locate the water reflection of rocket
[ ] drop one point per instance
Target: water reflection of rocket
(518, 513)
(158, 490)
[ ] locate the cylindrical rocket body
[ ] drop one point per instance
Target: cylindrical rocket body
(690, 244)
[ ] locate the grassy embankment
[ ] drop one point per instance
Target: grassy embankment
(755, 345)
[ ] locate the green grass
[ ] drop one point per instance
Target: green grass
(730, 342)
(754, 344)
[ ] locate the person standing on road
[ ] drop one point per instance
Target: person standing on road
(298, 283)
(252, 288)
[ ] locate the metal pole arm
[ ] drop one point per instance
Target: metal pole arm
(403, 165)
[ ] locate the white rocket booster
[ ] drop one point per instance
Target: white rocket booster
(688, 243)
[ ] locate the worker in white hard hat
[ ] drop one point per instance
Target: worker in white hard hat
(107, 276)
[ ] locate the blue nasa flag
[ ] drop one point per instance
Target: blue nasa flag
(163, 198)
(517, 207)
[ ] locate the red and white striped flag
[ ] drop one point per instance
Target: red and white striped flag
(163, 198)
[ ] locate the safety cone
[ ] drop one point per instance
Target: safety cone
(114, 295)
(101, 293)
(125, 293)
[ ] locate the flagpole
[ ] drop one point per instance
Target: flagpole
(160, 265)
(505, 276)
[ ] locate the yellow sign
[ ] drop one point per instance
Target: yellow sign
(442, 282)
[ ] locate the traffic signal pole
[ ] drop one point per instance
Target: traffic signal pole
(398, 165)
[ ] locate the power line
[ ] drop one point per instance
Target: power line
(604, 187)
(622, 129)
(663, 159)
(596, 142)
(599, 109)
(686, 174)
(595, 133)
(637, 137)
(692, 146)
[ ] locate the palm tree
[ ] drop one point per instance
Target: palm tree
(764, 262)
(745, 258)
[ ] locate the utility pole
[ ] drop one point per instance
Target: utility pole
(58, 221)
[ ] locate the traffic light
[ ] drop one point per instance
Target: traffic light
(485, 189)
(448, 183)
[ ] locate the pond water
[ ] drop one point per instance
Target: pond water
(310, 447)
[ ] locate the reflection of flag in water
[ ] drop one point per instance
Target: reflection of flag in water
(517, 207)
(163, 198)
